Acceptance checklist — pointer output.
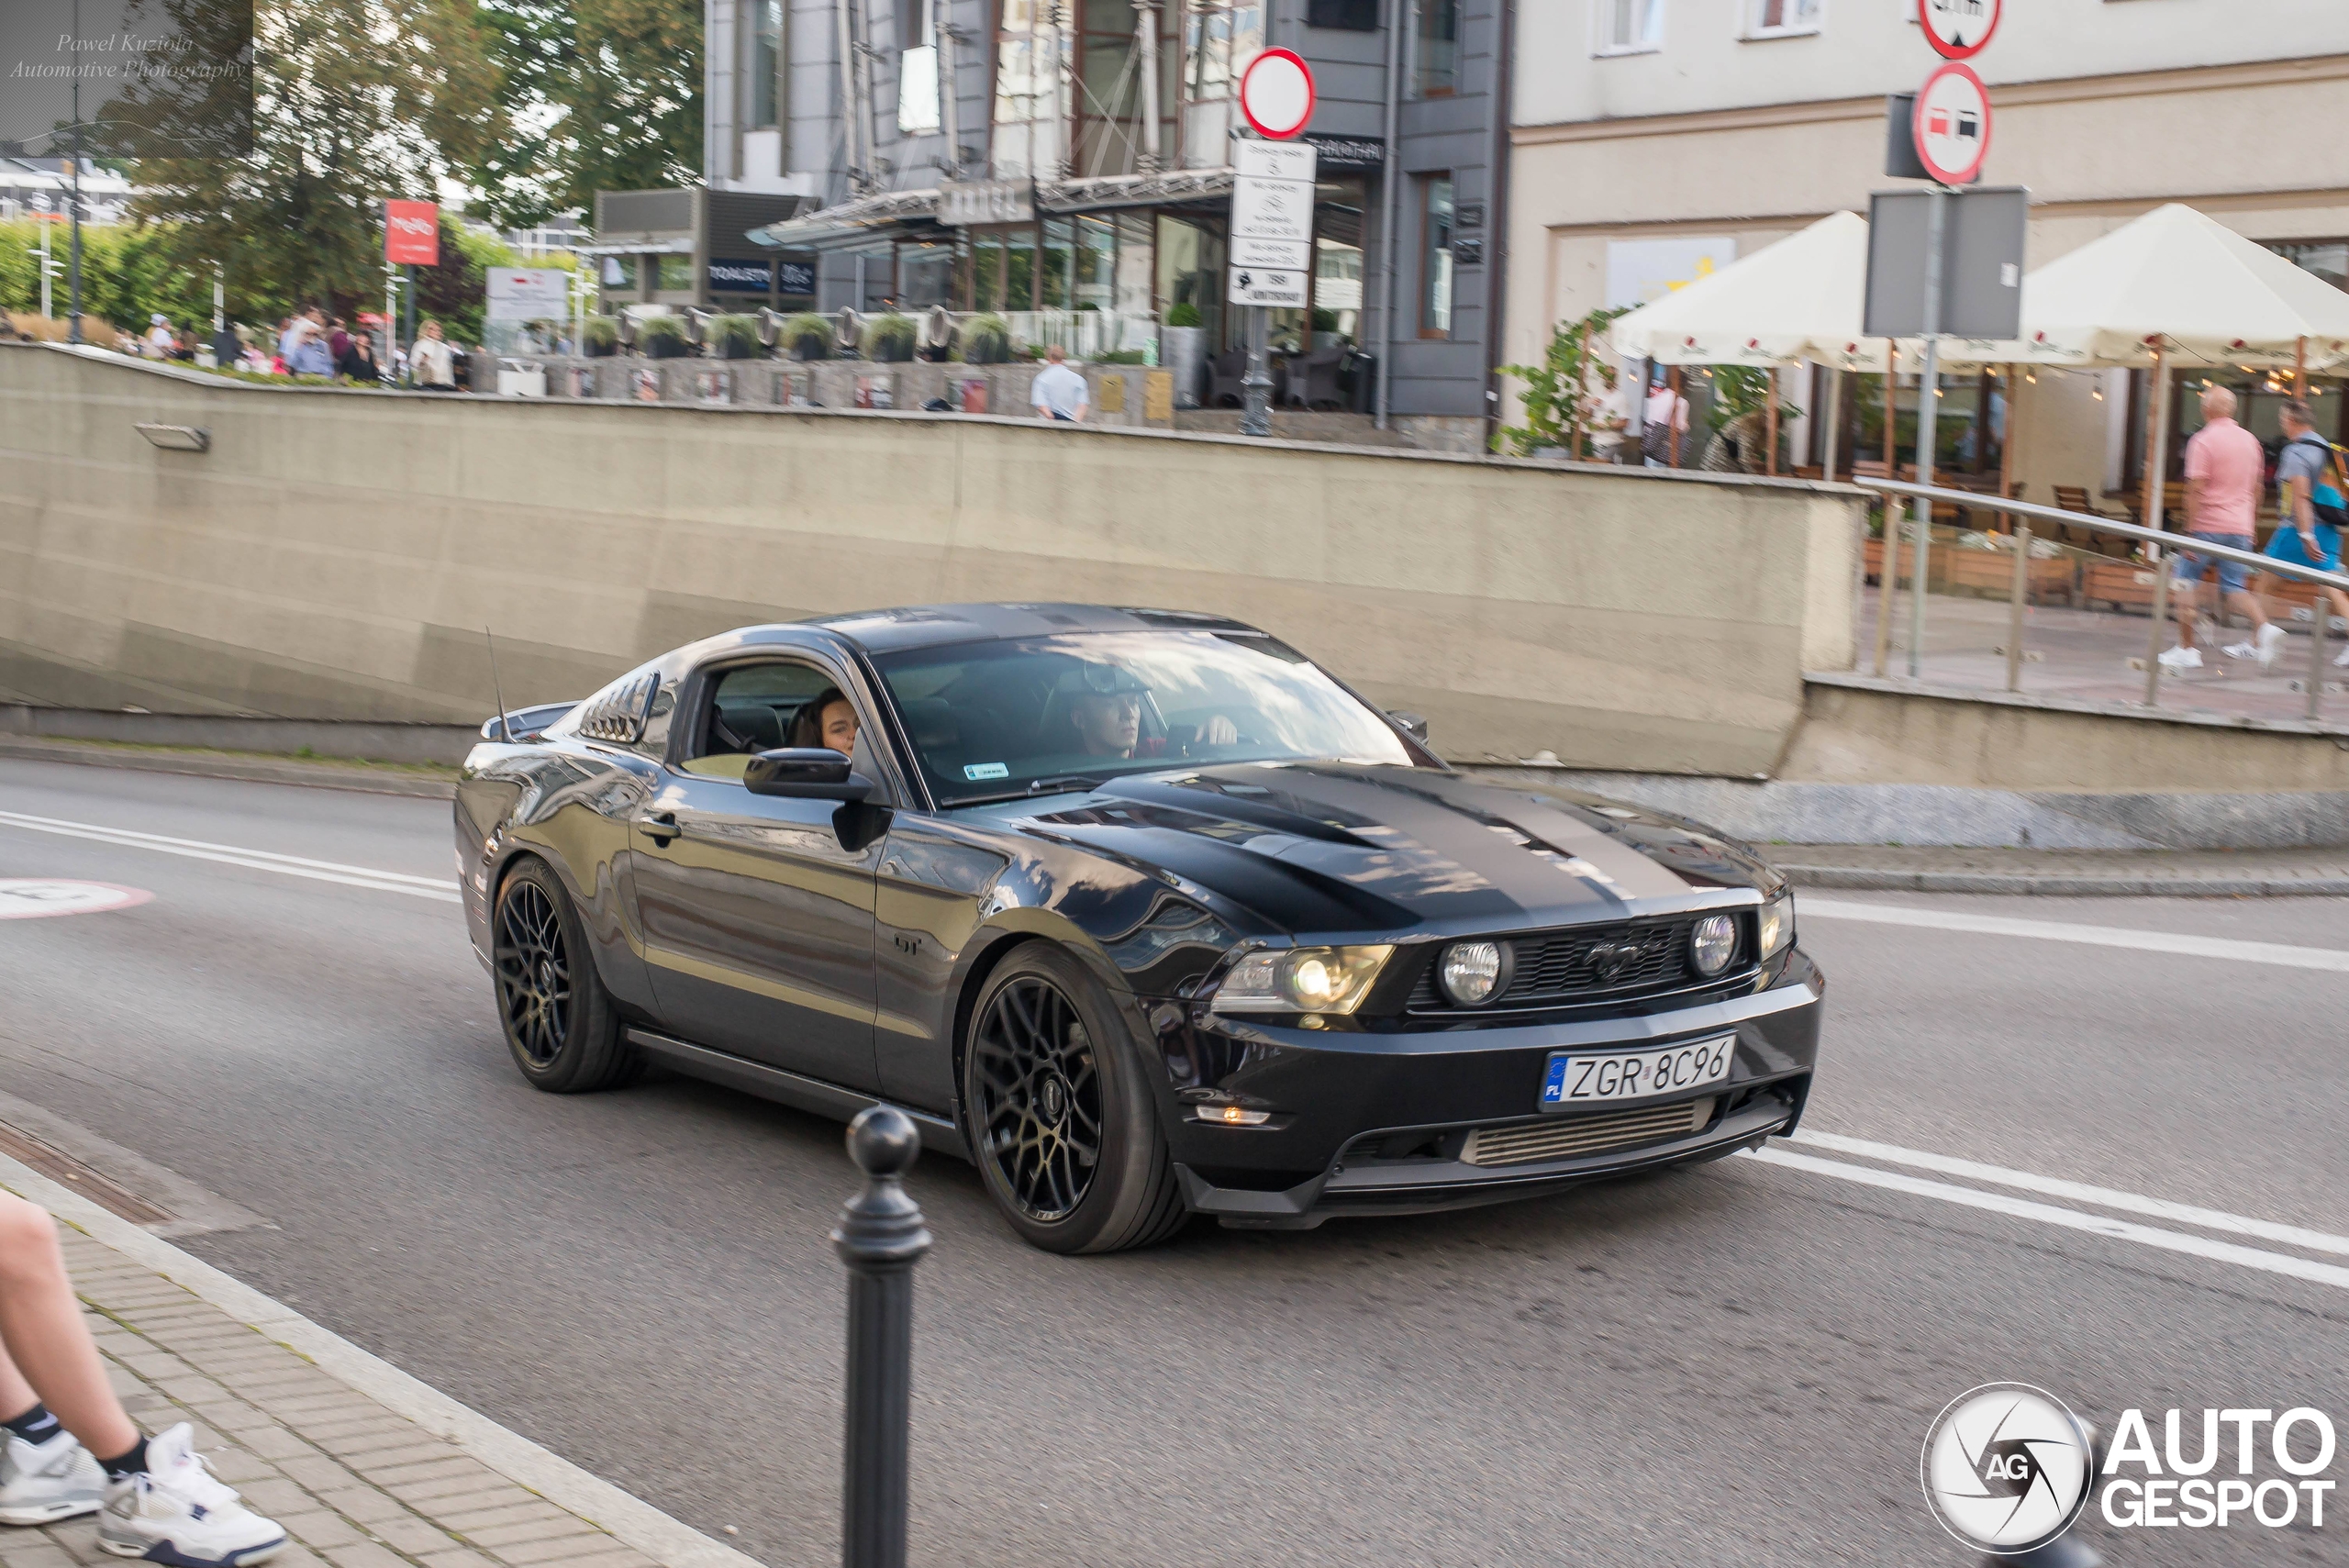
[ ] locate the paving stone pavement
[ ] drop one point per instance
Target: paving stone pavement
(355, 1484)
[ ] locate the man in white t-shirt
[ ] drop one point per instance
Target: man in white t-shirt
(1059, 393)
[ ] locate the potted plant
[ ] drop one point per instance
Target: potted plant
(601, 337)
(986, 340)
(890, 338)
(735, 336)
(807, 336)
(1182, 350)
(662, 338)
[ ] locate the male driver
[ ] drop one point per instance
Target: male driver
(1109, 724)
(1059, 393)
(2310, 505)
(2225, 467)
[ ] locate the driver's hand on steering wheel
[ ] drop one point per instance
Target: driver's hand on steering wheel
(1218, 732)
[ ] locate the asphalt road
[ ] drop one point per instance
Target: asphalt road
(1735, 1365)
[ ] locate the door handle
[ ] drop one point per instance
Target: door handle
(662, 826)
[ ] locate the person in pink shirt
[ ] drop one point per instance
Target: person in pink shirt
(2225, 470)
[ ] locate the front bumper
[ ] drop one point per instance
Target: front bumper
(1379, 1121)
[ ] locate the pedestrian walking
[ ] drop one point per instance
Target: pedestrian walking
(155, 1498)
(2311, 506)
(337, 338)
(160, 340)
(1059, 393)
(1665, 412)
(303, 347)
(2225, 466)
(434, 367)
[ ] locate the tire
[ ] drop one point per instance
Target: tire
(1061, 1123)
(558, 1019)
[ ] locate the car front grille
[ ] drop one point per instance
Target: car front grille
(1570, 1137)
(1618, 962)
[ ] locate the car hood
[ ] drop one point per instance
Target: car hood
(1324, 847)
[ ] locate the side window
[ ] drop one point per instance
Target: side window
(758, 707)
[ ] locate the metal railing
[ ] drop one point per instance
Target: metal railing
(2020, 542)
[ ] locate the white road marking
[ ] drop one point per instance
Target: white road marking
(2062, 931)
(2070, 1218)
(2081, 1192)
(440, 888)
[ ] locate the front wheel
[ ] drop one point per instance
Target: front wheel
(559, 1020)
(1062, 1125)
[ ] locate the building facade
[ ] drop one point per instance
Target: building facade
(1067, 163)
(1654, 139)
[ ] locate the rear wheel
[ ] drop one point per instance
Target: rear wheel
(1061, 1122)
(559, 1020)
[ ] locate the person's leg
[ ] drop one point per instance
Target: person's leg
(2185, 596)
(49, 1356)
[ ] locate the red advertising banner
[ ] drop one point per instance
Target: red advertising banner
(412, 234)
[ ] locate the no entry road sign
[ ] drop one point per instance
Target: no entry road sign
(1958, 29)
(1277, 93)
(1953, 124)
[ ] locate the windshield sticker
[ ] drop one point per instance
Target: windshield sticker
(987, 771)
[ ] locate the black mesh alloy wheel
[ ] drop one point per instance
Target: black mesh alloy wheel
(558, 1019)
(1063, 1126)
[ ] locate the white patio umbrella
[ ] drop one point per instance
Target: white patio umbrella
(1798, 299)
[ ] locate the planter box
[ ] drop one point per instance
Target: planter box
(2123, 585)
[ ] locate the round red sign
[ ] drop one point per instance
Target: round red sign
(1952, 127)
(1958, 29)
(1277, 93)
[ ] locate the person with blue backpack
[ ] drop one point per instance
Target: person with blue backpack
(2312, 505)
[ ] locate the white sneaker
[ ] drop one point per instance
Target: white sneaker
(177, 1512)
(2271, 642)
(2182, 659)
(42, 1482)
(2340, 660)
(2241, 651)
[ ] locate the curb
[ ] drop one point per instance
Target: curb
(628, 1518)
(254, 770)
(2064, 884)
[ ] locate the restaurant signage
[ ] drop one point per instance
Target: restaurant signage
(966, 202)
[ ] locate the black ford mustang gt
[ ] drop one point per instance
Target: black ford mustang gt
(1140, 911)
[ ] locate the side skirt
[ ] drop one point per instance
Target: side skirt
(789, 1088)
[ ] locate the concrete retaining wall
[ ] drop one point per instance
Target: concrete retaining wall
(335, 554)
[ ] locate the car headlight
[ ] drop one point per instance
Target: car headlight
(1777, 925)
(1713, 943)
(1473, 973)
(1301, 980)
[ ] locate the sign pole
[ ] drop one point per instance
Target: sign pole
(1928, 398)
(1256, 414)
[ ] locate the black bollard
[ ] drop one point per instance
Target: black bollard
(880, 1238)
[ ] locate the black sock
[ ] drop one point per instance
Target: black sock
(35, 1426)
(130, 1463)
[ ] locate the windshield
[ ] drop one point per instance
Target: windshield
(993, 719)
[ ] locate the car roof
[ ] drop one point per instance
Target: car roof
(932, 626)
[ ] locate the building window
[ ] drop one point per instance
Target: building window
(1435, 255)
(1630, 26)
(916, 69)
(675, 276)
(1344, 16)
(1783, 18)
(2328, 259)
(1219, 37)
(1031, 124)
(766, 64)
(619, 272)
(1435, 50)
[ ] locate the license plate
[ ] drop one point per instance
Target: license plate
(1575, 1078)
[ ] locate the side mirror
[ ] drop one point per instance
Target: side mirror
(805, 772)
(1411, 724)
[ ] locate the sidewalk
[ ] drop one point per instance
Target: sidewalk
(365, 1467)
(2191, 873)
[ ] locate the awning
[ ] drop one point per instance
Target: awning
(1793, 300)
(913, 214)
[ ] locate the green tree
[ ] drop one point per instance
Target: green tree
(354, 101)
(602, 94)
(1560, 401)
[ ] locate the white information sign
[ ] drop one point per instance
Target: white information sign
(528, 294)
(1280, 255)
(1260, 285)
(1276, 160)
(1273, 209)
